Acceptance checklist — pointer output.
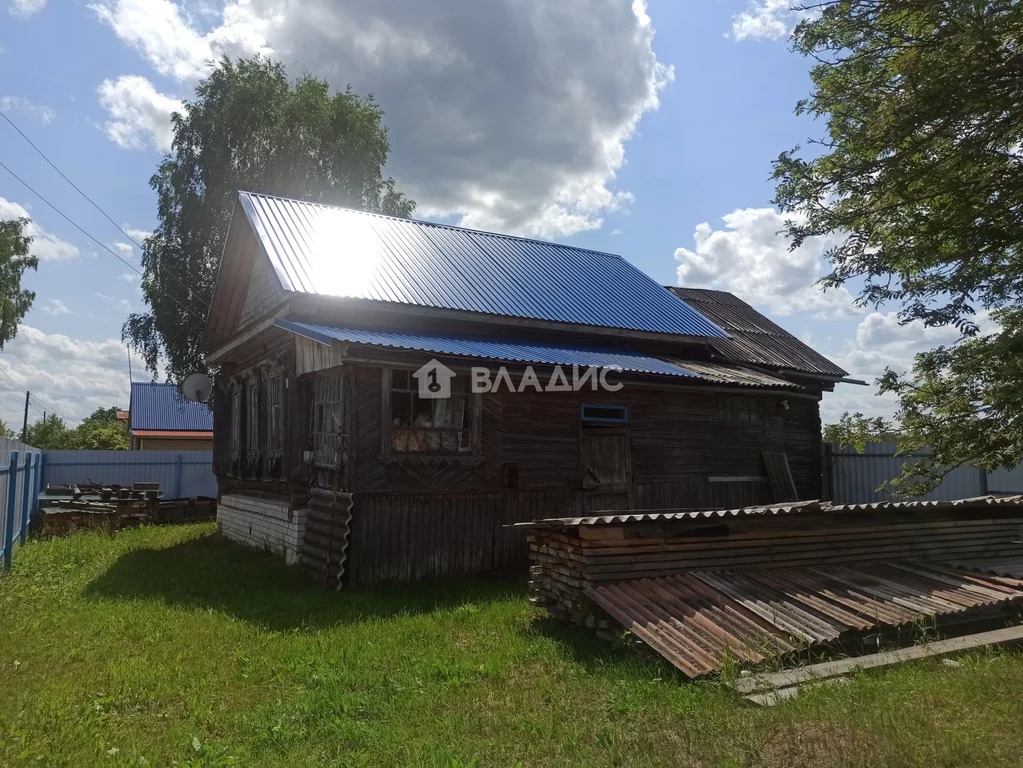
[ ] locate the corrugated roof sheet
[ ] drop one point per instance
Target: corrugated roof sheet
(508, 350)
(996, 566)
(613, 518)
(161, 407)
(805, 507)
(188, 435)
(754, 338)
(334, 251)
(696, 620)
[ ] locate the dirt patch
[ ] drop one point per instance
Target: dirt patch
(818, 744)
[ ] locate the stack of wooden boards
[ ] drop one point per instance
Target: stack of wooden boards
(577, 562)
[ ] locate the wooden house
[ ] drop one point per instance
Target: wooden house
(331, 329)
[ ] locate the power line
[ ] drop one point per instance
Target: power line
(170, 273)
(31, 397)
(102, 245)
(75, 186)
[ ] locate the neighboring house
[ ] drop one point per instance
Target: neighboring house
(323, 326)
(162, 420)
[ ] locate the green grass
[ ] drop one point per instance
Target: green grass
(171, 646)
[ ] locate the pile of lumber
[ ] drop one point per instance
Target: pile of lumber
(570, 555)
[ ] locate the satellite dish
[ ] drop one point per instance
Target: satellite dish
(197, 387)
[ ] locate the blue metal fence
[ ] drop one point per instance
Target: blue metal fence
(854, 478)
(19, 494)
(181, 474)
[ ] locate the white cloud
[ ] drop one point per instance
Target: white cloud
(73, 376)
(880, 342)
(163, 33)
(129, 277)
(137, 234)
(41, 113)
(751, 258)
(515, 119)
(139, 115)
(26, 8)
(125, 249)
(56, 307)
(46, 246)
(768, 19)
(114, 302)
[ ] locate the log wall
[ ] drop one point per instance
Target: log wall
(687, 446)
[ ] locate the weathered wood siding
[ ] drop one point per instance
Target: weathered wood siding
(263, 291)
(406, 537)
(687, 447)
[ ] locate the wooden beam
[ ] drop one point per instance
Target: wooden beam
(816, 672)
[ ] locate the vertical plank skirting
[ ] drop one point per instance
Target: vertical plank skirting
(407, 537)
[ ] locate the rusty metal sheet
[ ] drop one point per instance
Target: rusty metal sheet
(697, 619)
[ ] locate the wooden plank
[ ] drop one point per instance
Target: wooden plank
(793, 677)
(782, 485)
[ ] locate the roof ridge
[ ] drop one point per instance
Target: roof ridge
(605, 254)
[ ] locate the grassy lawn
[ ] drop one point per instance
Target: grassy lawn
(171, 646)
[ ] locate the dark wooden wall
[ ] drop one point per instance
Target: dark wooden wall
(679, 440)
(418, 518)
(412, 537)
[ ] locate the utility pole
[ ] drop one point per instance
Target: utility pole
(24, 424)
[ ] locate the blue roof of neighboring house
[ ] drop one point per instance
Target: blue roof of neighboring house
(522, 351)
(161, 406)
(332, 251)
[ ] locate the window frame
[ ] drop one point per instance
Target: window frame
(252, 414)
(327, 402)
(472, 454)
(275, 413)
(235, 439)
(624, 419)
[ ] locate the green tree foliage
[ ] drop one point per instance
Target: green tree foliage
(6, 431)
(857, 430)
(918, 184)
(248, 128)
(15, 301)
(99, 431)
(49, 434)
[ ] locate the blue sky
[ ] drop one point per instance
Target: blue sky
(641, 130)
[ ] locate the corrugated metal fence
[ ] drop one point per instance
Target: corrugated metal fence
(181, 474)
(20, 467)
(25, 471)
(853, 478)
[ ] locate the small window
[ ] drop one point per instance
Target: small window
(426, 425)
(614, 414)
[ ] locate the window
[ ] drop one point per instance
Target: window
(327, 391)
(614, 414)
(252, 422)
(428, 426)
(236, 420)
(275, 400)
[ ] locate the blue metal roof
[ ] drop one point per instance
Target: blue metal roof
(161, 406)
(505, 350)
(331, 251)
